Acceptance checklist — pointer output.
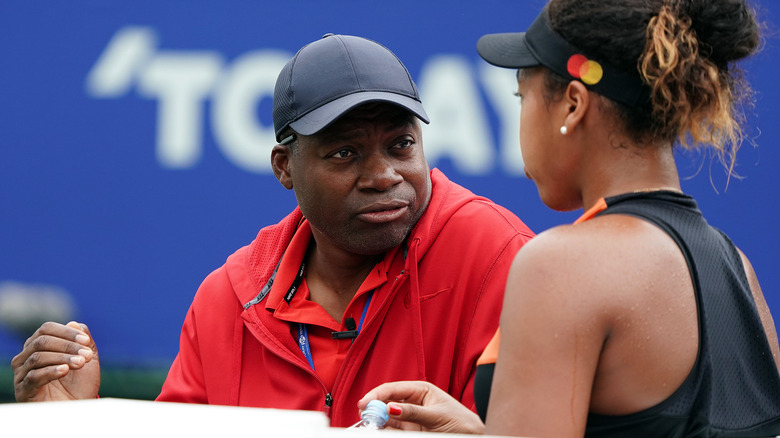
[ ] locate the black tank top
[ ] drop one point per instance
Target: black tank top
(733, 389)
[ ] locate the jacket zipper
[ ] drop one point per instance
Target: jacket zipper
(397, 281)
(328, 396)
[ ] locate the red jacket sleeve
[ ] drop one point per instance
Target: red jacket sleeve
(209, 326)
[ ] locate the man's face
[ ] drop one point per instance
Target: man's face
(363, 182)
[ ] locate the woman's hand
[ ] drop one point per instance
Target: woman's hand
(422, 406)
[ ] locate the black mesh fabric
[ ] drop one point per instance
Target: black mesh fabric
(734, 387)
(483, 378)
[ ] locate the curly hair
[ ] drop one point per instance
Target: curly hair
(684, 50)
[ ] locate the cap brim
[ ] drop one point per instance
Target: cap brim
(507, 50)
(323, 116)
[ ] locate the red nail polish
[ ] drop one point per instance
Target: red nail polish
(394, 410)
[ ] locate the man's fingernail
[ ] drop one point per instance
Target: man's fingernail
(82, 339)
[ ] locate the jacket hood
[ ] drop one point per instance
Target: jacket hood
(445, 201)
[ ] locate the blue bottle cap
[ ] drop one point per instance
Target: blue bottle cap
(378, 408)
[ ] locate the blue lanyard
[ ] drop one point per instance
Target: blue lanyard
(303, 332)
(303, 342)
(365, 310)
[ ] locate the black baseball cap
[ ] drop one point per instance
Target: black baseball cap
(333, 75)
(541, 45)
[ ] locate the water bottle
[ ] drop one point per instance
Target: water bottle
(374, 417)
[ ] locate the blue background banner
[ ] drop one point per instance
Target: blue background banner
(135, 140)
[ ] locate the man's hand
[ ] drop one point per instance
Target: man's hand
(58, 362)
(417, 405)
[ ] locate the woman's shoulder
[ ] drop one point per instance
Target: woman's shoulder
(603, 235)
(605, 256)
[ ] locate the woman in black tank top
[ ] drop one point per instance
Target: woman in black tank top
(640, 319)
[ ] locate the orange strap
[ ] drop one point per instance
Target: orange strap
(597, 208)
(490, 353)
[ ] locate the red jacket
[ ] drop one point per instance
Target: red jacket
(436, 316)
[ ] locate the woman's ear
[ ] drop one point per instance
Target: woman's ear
(576, 100)
(280, 163)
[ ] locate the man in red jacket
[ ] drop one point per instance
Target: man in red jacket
(386, 271)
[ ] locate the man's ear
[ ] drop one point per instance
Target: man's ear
(577, 101)
(280, 163)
